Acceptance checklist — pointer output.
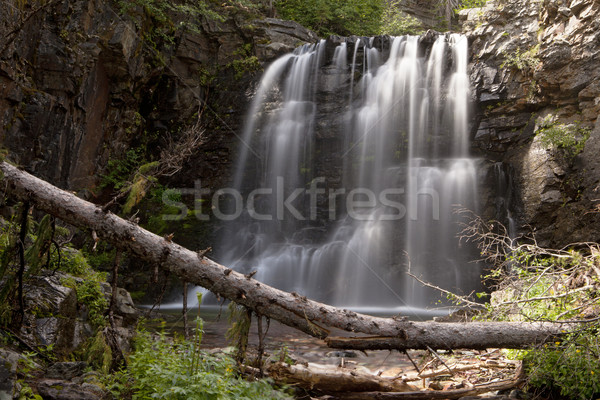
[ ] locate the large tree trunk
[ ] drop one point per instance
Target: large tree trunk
(313, 318)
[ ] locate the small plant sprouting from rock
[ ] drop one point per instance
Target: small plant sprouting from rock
(465, 4)
(524, 61)
(247, 63)
(568, 138)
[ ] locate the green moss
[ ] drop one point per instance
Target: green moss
(568, 138)
(524, 61)
(98, 353)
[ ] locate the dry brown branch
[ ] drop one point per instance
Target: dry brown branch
(178, 151)
(458, 367)
(471, 390)
(461, 300)
(534, 283)
(170, 163)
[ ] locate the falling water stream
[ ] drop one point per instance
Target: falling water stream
(347, 233)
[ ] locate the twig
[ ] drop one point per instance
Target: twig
(558, 296)
(185, 310)
(21, 271)
(113, 295)
(412, 361)
(432, 351)
(261, 341)
(460, 298)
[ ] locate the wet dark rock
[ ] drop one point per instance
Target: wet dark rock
(54, 314)
(124, 307)
(8, 373)
(342, 354)
(56, 389)
(559, 81)
(66, 370)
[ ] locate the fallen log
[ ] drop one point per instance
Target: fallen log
(331, 379)
(313, 318)
(432, 394)
(437, 335)
(472, 390)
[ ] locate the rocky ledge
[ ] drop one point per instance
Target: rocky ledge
(531, 59)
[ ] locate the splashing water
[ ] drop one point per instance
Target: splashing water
(341, 223)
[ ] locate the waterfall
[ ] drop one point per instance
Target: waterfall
(342, 223)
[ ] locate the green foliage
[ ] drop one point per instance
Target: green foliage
(137, 191)
(524, 61)
(161, 30)
(120, 170)
(98, 353)
(247, 63)
(27, 393)
(9, 265)
(552, 286)
(569, 138)
(27, 367)
(88, 289)
(570, 367)
(161, 368)
(239, 325)
(395, 22)
(156, 223)
(532, 283)
(89, 292)
(464, 4)
(34, 255)
(326, 17)
(102, 258)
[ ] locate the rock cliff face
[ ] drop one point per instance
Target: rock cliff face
(81, 82)
(531, 59)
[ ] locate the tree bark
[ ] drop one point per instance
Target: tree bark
(313, 318)
(431, 394)
(330, 379)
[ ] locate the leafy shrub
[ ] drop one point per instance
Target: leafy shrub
(570, 367)
(326, 17)
(161, 30)
(161, 368)
(89, 293)
(246, 63)
(88, 289)
(540, 284)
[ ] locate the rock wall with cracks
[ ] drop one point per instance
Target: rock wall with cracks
(530, 59)
(81, 82)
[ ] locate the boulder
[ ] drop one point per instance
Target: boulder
(124, 306)
(53, 313)
(56, 389)
(8, 373)
(66, 370)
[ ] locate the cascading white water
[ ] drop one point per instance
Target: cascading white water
(403, 149)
